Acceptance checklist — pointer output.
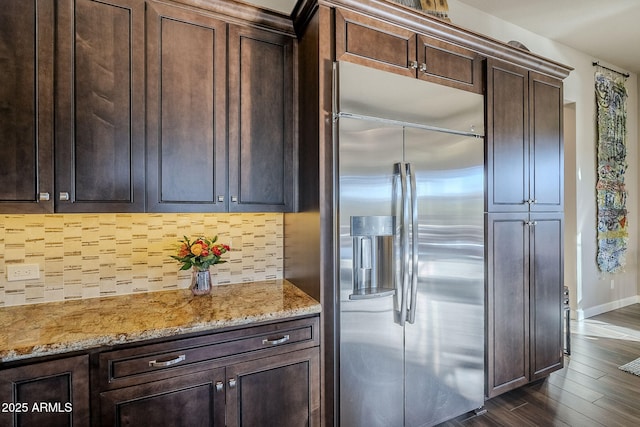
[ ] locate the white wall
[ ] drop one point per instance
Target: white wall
(591, 291)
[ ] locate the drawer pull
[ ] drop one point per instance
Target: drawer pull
(276, 341)
(156, 364)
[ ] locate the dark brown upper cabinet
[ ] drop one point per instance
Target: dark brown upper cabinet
(26, 106)
(379, 44)
(197, 161)
(99, 145)
(261, 167)
(186, 111)
(525, 162)
(154, 107)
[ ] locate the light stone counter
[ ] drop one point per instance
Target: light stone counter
(53, 328)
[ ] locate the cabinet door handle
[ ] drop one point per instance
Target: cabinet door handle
(234, 199)
(275, 341)
(232, 382)
(165, 363)
(219, 386)
(43, 197)
(221, 199)
(64, 196)
(423, 67)
(413, 64)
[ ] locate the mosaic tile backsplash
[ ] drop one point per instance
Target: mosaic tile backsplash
(94, 255)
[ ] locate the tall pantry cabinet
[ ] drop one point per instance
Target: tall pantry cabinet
(524, 226)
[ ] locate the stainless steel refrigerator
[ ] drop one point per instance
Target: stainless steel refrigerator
(410, 183)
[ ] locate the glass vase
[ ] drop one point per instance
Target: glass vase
(200, 282)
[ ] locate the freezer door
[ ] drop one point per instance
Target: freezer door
(371, 342)
(444, 346)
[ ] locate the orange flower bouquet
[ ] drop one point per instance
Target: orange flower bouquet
(200, 253)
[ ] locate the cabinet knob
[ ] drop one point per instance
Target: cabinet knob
(234, 199)
(64, 196)
(423, 67)
(43, 197)
(531, 223)
(413, 64)
(221, 199)
(219, 386)
(232, 382)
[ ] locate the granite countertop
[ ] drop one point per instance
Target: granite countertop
(53, 328)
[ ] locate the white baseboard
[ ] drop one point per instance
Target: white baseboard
(603, 308)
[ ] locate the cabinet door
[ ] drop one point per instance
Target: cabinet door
(54, 393)
(449, 65)
(507, 302)
(26, 105)
(278, 391)
(186, 401)
(186, 111)
(507, 136)
(547, 148)
(100, 106)
(261, 117)
(374, 43)
(547, 283)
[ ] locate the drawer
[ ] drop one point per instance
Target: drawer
(163, 360)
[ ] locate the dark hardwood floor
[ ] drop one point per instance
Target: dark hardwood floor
(589, 391)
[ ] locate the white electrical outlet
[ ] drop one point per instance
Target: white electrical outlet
(17, 272)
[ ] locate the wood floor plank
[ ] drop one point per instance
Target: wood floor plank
(632, 413)
(594, 413)
(586, 393)
(585, 369)
(564, 410)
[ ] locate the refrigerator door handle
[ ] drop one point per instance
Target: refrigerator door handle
(414, 244)
(404, 244)
(398, 245)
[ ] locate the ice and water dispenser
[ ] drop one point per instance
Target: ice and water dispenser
(373, 257)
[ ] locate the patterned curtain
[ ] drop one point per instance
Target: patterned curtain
(611, 96)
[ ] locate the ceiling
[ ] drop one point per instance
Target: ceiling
(608, 30)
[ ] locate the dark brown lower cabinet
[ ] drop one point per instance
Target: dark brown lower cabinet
(265, 375)
(277, 391)
(189, 400)
(53, 393)
(524, 298)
